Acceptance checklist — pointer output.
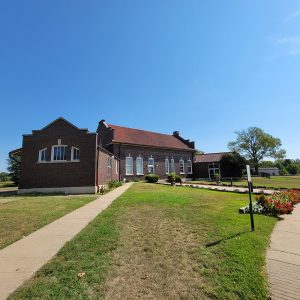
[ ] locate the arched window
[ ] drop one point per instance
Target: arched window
(190, 167)
(139, 166)
(172, 165)
(129, 165)
(181, 166)
(167, 166)
(151, 165)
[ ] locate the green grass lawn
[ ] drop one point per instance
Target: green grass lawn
(161, 242)
(6, 184)
(288, 182)
(21, 215)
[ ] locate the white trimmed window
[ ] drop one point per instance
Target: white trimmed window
(129, 165)
(190, 167)
(139, 166)
(181, 166)
(59, 153)
(109, 164)
(151, 165)
(172, 165)
(74, 153)
(167, 166)
(43, 155)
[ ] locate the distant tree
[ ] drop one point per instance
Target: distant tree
(293, 168)
(14, 167)
(267, 164)
(255, 144)
(4, 176)
(198, 151)
(232, 165)
(288, 166)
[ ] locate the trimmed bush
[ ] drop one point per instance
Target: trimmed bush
(114, 184)
(152, 178)
(172, 177)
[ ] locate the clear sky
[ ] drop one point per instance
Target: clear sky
(205, 68)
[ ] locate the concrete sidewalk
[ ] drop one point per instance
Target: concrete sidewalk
(222, 188)
(283, 258)
(20, 260)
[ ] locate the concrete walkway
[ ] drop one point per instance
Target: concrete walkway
(283, 258)
(222, 188)
(20, 260)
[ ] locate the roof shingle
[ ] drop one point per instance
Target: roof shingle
(146, 138)
(209, 157)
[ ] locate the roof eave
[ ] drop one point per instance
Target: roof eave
(148, 146)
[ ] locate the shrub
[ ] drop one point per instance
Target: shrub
(173, 177)
(217, 178)
(114, 184)
(152, 178)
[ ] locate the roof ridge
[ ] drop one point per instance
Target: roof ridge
(212, 153)
(110, 125)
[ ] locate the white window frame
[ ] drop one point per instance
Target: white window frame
(117, 166)
(215, 168)
(126, 164)
(181, 164)
(52, 153)
(167, 166)
(109, 168)
(150, 165)
(142, 165)
(40, 155)
(72, 154)
(190, 165)
(172, 165)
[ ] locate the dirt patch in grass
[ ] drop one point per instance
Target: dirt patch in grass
(155, 260)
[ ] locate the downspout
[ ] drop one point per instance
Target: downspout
(119, 162)
(97, 167)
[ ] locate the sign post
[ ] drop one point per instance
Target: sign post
(250, 198)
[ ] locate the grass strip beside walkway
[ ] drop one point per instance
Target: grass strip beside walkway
(22, 215)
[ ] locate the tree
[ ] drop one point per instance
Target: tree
(14, 167)
(232, 165)
(198, 151)
(4, 176)
(255, 144)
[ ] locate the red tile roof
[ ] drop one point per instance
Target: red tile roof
(209, 157)
(146, 138)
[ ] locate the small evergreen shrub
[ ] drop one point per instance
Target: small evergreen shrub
(114, 184)
(151, 178)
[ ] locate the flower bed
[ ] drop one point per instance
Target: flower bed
(279, 203)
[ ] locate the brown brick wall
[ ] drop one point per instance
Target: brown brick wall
(60, 174)
(106, 174)
(200, 170)
(159, 156)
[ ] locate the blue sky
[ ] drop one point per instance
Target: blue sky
(205, 68)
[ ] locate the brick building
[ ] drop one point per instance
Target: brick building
(142, 152)
(63, 158)
(207, 165)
